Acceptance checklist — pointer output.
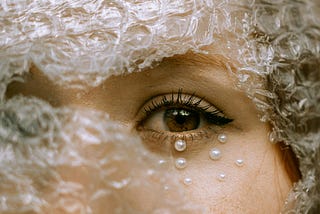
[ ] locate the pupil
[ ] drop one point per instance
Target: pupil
(179, 120)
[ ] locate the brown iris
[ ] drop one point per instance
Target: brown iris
(180, 119)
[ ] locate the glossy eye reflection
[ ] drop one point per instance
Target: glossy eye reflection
(179, 120)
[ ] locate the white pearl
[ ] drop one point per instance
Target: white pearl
(150, 172)
(181, 163)
(215, 154)
(239, 162)
(187, 181)
(222, 177)
(161, 162)
(180, 145)
(222, 138)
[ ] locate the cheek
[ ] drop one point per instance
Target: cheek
(247, 169)
(105, 166)
(79, 162)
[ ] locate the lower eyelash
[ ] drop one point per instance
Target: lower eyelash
(162, 138)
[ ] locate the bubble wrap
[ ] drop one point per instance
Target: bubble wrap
(293, 82)
(58, 161)
(80, 43)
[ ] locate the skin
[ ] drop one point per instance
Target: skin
(259, 186)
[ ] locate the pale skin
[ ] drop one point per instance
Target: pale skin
(261, 185)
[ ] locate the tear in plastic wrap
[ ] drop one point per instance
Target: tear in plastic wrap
(83, 42)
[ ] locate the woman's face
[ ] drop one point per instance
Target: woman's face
(202, 141)
(192, 98)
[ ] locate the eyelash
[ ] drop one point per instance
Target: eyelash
(211, 114)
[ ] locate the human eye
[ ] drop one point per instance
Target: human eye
(174, 116)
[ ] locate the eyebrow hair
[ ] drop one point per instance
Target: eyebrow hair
(194, 59)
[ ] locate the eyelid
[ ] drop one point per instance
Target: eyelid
(178, 99)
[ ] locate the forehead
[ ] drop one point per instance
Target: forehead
(91, 40)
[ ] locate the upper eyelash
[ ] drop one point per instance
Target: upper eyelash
(214, 116)
(175, 102)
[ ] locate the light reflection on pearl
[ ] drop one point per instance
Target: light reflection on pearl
(187, 181)
(150, 172)
(180, 145)
(239, 162)
(221, 177)
(161, 162)
(181, 163)
(215, 154)
(222, 138)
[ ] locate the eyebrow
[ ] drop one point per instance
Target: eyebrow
(195, 59)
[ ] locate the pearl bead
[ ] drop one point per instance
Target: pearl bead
(150, 172)
(215, 154)
(221, 177)
(222, 138)
(181, 163)
(180, 145)
(187, 181)
(239, 162)
(161, 162)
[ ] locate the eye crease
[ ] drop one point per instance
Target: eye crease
(179, 114)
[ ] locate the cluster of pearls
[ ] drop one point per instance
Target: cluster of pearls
(214, 154)
(180, 146)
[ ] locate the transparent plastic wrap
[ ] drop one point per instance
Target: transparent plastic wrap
(100, 38)
(293, 79)
(82, 43)
(48, 167)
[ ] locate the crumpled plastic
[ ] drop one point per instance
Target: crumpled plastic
(81, 43)
(293, 80)
(59, 161)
